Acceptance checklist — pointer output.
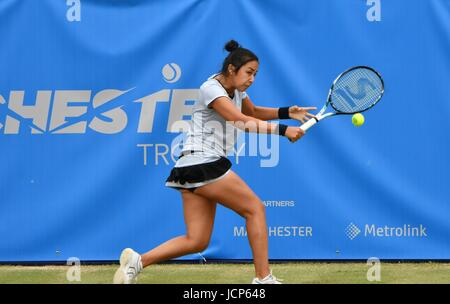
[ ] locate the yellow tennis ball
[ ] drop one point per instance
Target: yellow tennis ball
(358, 119)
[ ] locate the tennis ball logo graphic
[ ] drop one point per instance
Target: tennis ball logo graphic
(171, 72)
(358, 119)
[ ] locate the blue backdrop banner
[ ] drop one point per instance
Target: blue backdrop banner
(95, 96)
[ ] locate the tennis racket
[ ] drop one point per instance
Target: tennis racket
(356, 90)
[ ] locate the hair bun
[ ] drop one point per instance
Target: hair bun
(231, 45)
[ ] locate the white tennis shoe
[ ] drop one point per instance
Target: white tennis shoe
(270, 279)
(130, 267)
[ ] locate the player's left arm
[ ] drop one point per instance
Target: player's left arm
(262, 113)
(266, 113)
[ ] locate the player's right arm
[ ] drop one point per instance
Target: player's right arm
(229, 112)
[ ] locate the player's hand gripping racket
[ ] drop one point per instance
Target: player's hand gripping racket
(354, 91)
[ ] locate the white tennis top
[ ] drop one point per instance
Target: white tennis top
(209, 132)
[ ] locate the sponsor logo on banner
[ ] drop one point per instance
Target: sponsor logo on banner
(371, 230)
(77, 111)
(108, 111)
(171, 72)
(279, 231)
(352, 231)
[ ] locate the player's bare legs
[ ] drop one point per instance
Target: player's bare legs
(199, 214)
(232, 192)
(199, 210)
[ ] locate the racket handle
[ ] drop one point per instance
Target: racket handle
(309, 124)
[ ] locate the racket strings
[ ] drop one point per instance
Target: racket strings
(356, 91)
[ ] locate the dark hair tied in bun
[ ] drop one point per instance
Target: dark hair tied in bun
(237, 57)
(231, 45)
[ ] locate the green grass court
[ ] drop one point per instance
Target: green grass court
(291, 273)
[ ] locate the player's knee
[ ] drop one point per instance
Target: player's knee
(198, 245)
(261, 209)
(255, 209)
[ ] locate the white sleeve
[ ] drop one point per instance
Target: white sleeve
(210, 93)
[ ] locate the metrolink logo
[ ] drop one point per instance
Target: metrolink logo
(76, 111)
(353, 231)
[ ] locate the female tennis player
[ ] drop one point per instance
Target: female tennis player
(202, 173)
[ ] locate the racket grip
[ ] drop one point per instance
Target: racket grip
(309, 124)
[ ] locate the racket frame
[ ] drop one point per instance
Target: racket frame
(321, 115)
